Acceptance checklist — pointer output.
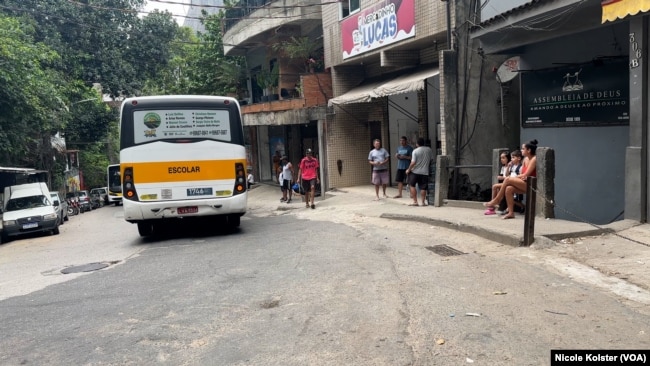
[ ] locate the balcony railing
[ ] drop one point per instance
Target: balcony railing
(241, 10)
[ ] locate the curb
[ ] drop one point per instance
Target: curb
(541, 241)
(492, 235)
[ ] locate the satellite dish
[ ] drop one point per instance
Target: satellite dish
(508, 70)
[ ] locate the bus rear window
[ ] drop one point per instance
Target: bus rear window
(152, 125)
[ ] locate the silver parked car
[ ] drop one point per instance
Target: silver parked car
(61, 209)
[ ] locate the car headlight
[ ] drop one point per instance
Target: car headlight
(9, 223)
(51, 216)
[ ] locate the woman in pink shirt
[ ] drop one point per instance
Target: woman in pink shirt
(308, 175)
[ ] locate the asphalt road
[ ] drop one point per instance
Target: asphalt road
(285, 289)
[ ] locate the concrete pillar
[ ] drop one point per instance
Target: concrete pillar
(544, 204)
(442, 180)
(636, 154)
(496, 163)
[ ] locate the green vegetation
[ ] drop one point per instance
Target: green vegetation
(53, 53)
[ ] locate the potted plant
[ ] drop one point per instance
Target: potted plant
(304, 49)
(268, 81)
(299, 89)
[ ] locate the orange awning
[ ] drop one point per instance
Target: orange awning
(619, 9)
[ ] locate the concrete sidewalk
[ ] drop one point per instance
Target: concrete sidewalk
(620, 249)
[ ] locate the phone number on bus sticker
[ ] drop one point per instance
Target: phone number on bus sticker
(199, 191)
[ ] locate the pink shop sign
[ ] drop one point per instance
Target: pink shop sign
(385, 23)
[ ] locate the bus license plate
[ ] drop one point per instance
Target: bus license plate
(199, 191)
(187, 210)
(31, 225)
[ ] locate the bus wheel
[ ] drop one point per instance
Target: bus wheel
(145, 228)
(234, 220)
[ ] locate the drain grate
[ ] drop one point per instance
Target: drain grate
(85, 268)
(444, 250)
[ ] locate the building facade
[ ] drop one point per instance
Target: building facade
(409, 68)
(195, 13)
(578, 76)
(285, 106)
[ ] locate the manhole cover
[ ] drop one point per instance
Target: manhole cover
(444, 250)
(85, 268)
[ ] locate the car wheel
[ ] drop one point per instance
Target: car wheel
(56, 230)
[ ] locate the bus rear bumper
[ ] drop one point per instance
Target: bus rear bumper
(139, 211)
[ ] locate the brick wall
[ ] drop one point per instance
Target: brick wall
(317, 88)
(350, 140)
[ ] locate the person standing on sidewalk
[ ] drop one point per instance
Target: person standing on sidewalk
(287, 179)
(403, 155)
(378, 158)
(308, 175)
(418, 171)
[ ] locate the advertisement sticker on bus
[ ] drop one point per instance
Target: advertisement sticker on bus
(164, 124)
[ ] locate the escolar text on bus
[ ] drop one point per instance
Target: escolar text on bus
(184, 169)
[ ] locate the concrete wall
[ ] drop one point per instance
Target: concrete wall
(473, 122)
(590, 160)
(403, 121)
(589, 171)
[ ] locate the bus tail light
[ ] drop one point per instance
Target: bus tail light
(240, 179)
(127, 185)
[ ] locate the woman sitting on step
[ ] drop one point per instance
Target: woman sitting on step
(517, 185)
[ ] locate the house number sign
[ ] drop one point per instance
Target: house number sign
(636, 51)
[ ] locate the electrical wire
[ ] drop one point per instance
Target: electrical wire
(85, 25)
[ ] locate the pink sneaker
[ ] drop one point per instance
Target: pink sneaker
(489, 211)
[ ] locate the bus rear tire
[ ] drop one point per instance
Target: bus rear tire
(234, 220)
(145, 228)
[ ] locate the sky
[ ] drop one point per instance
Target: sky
(175, 9)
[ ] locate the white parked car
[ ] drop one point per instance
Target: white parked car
(28, 208)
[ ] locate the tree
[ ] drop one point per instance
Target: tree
(198, 66)
(105, 44)
(175, 77)
(31, 109)
(52, 53)
(207, 76)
